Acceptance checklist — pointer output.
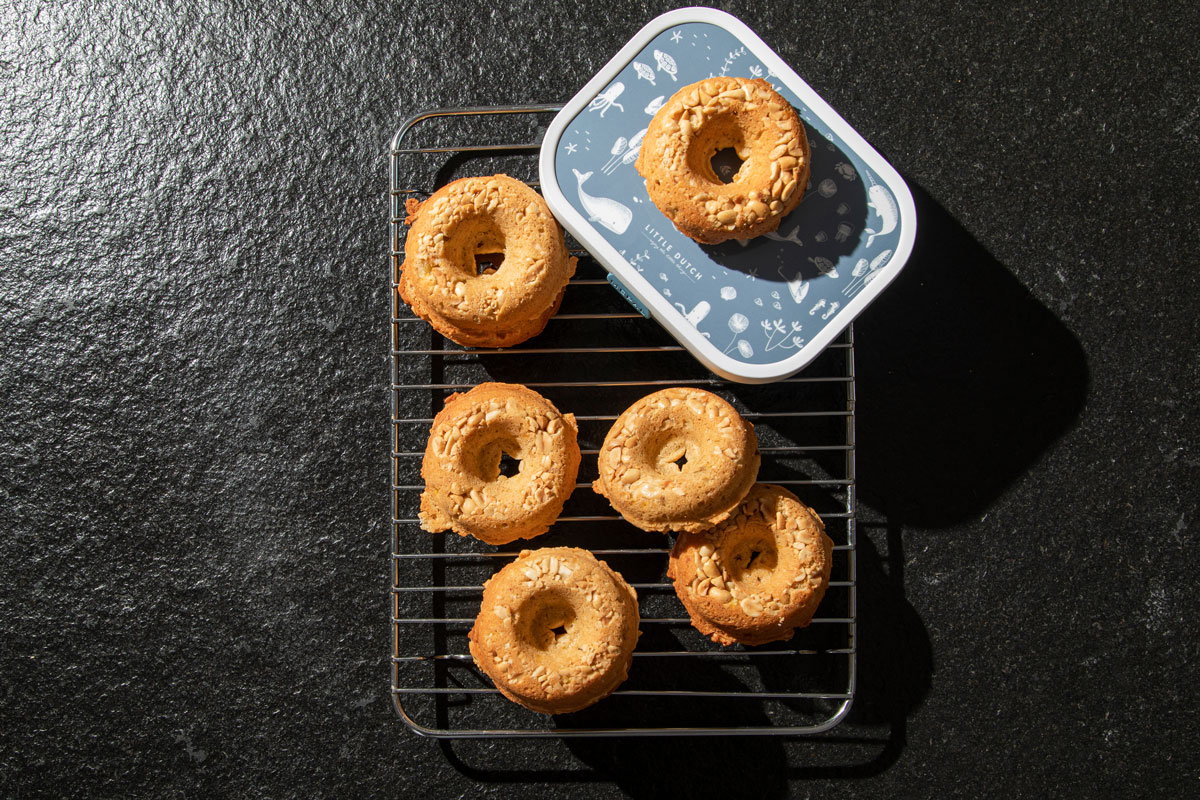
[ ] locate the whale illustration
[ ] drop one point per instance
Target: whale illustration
(881, 202)
(608, 212)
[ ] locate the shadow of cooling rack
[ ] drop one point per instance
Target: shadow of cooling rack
(596, 357)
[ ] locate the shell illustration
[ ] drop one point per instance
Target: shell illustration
(728, 293)
(826, 188)
(608, 212)
(666, 64)
(655, 105)
(644, 72)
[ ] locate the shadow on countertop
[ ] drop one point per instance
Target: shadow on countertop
(964, 380)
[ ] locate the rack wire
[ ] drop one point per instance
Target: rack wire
(595, 358)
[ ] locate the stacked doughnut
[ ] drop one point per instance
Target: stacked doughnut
(751, 562)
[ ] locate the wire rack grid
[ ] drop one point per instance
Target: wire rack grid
(595, 358)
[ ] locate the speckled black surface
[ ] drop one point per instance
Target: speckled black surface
(194, 440)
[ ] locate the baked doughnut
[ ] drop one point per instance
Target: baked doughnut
(758, 576)
(464, 489)
(477, 216)
(641, 478)
(718, 113)
(556, 630)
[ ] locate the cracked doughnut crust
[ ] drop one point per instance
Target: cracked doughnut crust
(465, 490)
(556, 630)
(759, 575)
(475, 216)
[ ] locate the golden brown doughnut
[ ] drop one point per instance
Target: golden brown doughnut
(475, 216)
(714, 114)
(756, 577)
(638, 470)
(556, 630)
(464, 488)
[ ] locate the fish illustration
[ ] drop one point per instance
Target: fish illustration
(608, 212)
(697, 314)
(656, 104)
(820, 304)
(607, 99)
(880, 201)
(832, 308)
(793, 237)
(666, 64)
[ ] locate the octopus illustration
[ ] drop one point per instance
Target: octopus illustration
(608, 98)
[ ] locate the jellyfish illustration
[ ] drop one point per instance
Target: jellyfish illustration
(843, 231)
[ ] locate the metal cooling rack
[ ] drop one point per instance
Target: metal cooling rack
(595, 358)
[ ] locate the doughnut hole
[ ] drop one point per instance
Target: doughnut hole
(719, 140)
(497, 456)
(546, 621)
(751, 560)
(671, 454)
(479, 245)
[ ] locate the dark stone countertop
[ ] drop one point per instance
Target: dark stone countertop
(194, 447)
